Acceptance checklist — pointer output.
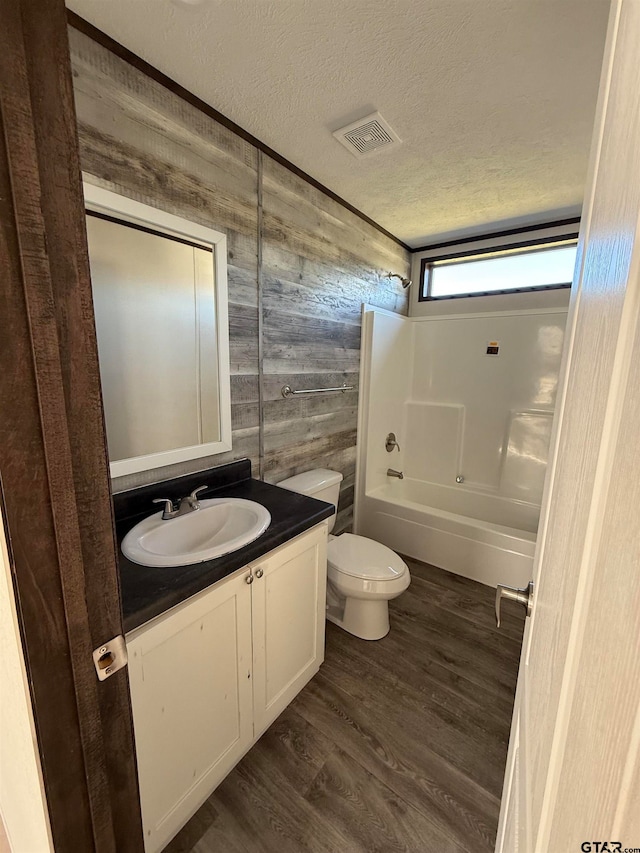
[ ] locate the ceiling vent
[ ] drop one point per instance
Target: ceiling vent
(367, 135)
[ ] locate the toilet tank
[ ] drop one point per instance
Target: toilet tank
(322, 484)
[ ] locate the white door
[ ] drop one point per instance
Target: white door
(573, 780)
(192, 703)
(288, 608)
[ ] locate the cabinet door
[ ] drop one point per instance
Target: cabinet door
(190, 674)
(288, 604)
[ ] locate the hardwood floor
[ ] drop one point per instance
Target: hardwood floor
(397, 745)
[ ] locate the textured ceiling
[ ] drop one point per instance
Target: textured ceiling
(494, 99)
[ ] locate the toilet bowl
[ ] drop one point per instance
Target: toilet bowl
(362, 575)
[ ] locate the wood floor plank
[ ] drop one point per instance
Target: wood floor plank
(427, 675)
(465, 586)
(474, 752)
(356, 671)
(398, 744)
(419, 604)
(468, 652)
(469, 603)
(221, 840)
(297, 748)
(190, 835)
(267, 813)
(371, 816)
(461, 808)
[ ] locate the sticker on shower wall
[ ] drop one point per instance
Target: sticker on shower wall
(493, 348)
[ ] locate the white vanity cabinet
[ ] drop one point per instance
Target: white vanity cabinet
(191, 694)
(210, 675)
(288, 610)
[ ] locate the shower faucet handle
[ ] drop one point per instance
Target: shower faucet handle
(390, 442)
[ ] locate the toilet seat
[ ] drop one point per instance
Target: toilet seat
(364, 558)
(363, 576)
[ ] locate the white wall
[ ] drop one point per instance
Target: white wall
(22, 804)
(487, 418)
(386, 383)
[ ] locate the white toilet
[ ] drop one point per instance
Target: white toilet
(362, 575)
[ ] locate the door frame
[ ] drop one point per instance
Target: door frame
(573, 768)
(54, 475)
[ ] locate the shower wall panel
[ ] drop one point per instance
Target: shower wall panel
(386, 385)
(498, 438)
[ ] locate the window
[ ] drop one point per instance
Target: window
(542, 267)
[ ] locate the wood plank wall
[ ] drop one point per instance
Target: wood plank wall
(300, 265)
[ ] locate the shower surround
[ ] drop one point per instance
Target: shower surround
(473, 426)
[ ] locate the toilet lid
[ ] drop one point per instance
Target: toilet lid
(363, 558)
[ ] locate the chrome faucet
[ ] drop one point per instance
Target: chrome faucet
(392, 473)
(185, 505)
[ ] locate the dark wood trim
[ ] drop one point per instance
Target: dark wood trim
(127, 55)
(497, 235)
(426, 264)
(505, 247)
(147, 230)
(53, 463)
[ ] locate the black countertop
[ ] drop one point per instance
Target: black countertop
(148, 592)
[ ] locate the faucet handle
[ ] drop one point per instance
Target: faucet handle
(169, 509)
(390, 442)
(194, 494)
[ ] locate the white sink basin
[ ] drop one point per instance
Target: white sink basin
(220, 526)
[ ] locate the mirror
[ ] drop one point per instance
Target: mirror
(160, 299)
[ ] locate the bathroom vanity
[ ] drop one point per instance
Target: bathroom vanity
(223, 602)
(217, 650)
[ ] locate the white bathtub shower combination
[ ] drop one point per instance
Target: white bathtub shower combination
(473, 432)
(488, 539)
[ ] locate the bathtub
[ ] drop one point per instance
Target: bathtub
(481, 536)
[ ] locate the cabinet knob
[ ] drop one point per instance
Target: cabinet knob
(249, 578)
(259, 573)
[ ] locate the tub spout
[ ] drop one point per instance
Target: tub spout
(392, 473)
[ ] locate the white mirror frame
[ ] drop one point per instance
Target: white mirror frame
(113, 204)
